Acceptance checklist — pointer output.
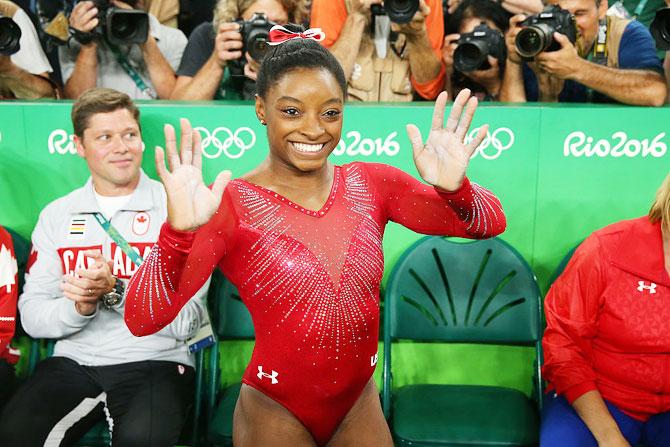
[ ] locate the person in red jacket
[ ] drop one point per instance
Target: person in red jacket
(301, 239)
(607, 342)
(9, 284)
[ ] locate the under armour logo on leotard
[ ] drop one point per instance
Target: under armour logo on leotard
(272, 376)
(651, 288)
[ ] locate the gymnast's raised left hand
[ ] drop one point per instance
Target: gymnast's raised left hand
(443, 159)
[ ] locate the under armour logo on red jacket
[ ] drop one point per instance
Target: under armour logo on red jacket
(651, 288)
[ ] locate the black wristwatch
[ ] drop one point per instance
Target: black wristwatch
(114, 297)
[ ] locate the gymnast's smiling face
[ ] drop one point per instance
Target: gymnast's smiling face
(303, 110)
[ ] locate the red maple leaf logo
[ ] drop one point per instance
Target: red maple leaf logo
(141, 219)
(31, 259)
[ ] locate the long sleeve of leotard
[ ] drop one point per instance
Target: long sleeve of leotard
(471, 212)
(178, 266)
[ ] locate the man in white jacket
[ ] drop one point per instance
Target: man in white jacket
(86, 245)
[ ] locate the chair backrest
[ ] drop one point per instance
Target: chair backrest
(230, 317)
(563, 263)
(475, 292)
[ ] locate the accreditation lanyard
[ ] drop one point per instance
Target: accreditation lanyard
(639, 8)
(139, 82)
(599, 53)
(116, 237)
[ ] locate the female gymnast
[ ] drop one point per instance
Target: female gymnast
(301, 239)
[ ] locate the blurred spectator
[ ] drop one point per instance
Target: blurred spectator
(666, 65)
(25, 73)
(627, 71)
(607, 342)
(9, 283)
(166, 11)
(74, 293)
(511, 6)
(208, 70)
(145, 71)
(411, 63)
(484, 83)
(641, 10)
(194, 12)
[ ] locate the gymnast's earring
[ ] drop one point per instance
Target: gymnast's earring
(263, 122)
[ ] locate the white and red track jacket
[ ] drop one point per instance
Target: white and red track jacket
(8, 292)
(66, 228)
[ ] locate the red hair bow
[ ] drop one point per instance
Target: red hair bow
(279, 34)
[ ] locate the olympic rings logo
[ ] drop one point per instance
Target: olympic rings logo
(500, 140)
(242, 139)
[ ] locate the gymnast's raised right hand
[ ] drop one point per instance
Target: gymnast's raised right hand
(190, 202)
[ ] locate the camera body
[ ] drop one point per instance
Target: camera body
(399, 11)
(117, 26)
(255, 35)
(538, 31)
(475, 47)
(10, 35)
(660, 29)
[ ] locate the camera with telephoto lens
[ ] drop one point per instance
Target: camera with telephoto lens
(475, 47)
(660, 29)
(538, 31)
(10, 35)
(118, 26)
(255, 38)
(399, 11)
(256, 35)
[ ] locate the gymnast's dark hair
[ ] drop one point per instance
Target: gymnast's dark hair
(294, 54)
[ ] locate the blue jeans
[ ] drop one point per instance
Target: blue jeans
(562, 426)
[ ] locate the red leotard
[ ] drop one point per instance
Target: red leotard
(309, 278)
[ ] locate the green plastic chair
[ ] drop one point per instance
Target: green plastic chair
(231, 321)
(480, 292)
(563, 264)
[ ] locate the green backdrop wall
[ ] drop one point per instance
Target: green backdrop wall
(560, 172)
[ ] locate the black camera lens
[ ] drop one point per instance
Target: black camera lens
(10, 35)
(257, 43)
(122, 27)
(660, 29)
(533, 40)
(470, 56)
(126, 27)
(401, 11)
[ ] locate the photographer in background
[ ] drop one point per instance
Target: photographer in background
(143, 71)
(210, 68)
(480, 63)
(511, 6)
(659, 29)
(380, 66)
(622, 67)
(24, 71)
